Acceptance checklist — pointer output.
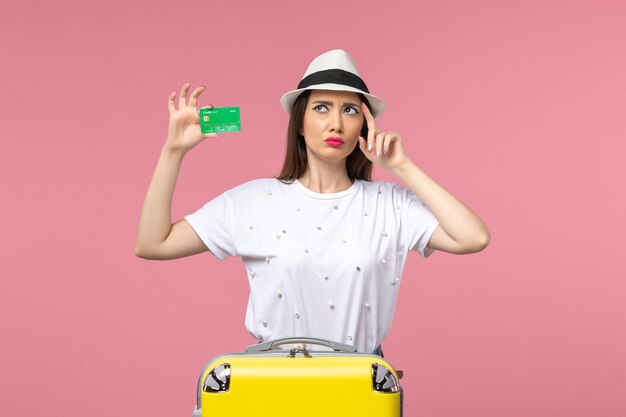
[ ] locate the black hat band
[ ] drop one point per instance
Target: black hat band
(334, 76)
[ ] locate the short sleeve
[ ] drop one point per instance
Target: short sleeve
(419, 222)
(213, 223)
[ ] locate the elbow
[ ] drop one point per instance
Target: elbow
(476, 245)
(481, 242)
(141, 252)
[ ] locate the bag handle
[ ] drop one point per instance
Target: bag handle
(270, 345)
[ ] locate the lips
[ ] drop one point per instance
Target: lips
(334, 142)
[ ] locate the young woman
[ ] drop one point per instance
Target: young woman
(323, 245)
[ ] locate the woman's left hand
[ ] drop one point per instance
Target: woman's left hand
(383, 148)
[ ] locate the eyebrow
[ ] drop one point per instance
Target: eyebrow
(329, 103)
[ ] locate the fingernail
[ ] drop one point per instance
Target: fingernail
(369, 147)
(377, 153)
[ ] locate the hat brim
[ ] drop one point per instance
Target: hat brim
(376, 103)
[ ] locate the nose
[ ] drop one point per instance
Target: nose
(336, 121)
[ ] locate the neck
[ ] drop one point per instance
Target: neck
(326, 177)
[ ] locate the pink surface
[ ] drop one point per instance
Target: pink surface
(518, 108)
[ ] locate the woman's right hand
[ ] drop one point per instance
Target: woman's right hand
(184, 125)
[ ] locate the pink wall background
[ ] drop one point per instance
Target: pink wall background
(518, 108)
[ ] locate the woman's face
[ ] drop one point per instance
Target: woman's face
(332, 124)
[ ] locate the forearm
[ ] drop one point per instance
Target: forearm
(456, 219)
(155, 221)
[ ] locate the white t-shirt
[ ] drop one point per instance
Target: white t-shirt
(319, 265)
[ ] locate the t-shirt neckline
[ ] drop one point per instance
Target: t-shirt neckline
(326, 196)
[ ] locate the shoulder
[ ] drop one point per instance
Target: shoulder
(252, 186)
(257, 188)
(387, 188)
(389, 192)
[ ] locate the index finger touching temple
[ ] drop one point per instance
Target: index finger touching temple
(368, 115)
(371, 126)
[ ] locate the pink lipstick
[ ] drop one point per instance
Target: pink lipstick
(334, 142)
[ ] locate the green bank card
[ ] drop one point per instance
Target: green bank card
(220, 119)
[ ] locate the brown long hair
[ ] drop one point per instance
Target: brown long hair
(357, 164)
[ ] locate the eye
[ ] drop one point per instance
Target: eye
(351, 110)
(321, 108)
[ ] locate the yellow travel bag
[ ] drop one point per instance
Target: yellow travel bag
(266, 380)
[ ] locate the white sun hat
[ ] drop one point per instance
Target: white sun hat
(333, 70)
